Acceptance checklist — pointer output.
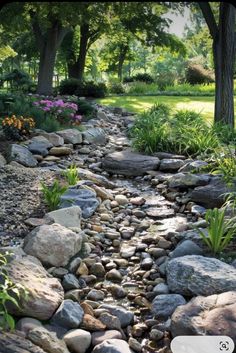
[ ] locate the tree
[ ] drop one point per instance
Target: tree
(224, 46)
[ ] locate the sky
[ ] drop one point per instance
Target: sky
(179, 22)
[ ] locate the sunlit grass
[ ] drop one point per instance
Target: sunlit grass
(203, 105)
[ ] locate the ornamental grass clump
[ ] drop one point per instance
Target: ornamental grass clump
(17, 128)
(52, 194)
(71, 175)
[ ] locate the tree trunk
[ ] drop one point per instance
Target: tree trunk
(76, 68)
(123, 52)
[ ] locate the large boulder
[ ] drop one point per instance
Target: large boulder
(95, 136)
(53, 244)
(47, 340)
(171, 165)
(45, 293)
(69, 217)
(39, 145)
(22, 156)
(15, 342)
(112, 346)
(71, 136)
(129, 163)
(82, 197)
(211, 195)
(214, 315)
(97, 179)
(198, 275)
(181, 180)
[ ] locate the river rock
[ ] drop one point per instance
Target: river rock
(2, 160)
(129, 163)
(53, 244)
(213, 315)
(47, 340)
(39, 145)
(96, 136)
(78, 341)
(101, 336)
(27, 324)
(84, 198)
(22, 156)
(112, 346)
(193, 166)
(126, 317)
(71, 136)
(198, 275)
(164, 305)
(60, 151)
(45, 293)
(69, 314)
(69, 217)
(97, 179)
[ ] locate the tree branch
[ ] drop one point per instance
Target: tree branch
(209, 18)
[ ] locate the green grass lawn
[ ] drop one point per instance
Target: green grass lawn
(138, 104)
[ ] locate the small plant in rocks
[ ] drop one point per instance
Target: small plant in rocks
(71, 175)
(9, 292)
(221, 230)
(52, 194)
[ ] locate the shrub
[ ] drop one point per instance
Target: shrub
(196, 73)
(86, 109)
(19, 80)
(129, 79)
(116, 88)
(69, 86)
(225, 164)
(220, 230)
(17, 127)
(92, 89)
(143, 77)
(49, 124)
(165, 79)
(9, 292)
(52, 194)
(71, 175)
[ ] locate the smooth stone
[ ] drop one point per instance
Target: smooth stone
(78, 341)
(161, 288)
(26, 324)
(171, 164)
(101, 336)
(182, 180)
(47, 340)
(187, 247)
(111, 322)
(90, 323)
(127, 251)
(60, 151)
(121, 199)
(114, 275)
(112, 346)
(96, 136)
(96, 295)
(126, 317)
(54, 138)
(70, 282)
(193, 166)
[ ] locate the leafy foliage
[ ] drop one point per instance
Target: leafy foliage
(9, 292)
(17, 127)
(225, 165)
(220, 230)
(71, 175)
(52, 194)
(69, 86)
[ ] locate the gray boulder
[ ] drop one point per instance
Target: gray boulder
(39, 145)
(164, 305)
(187, 247)
(69, 314)
(71, 136)
(54, 138)
(171, 165)
(15, 342)
(112, 346)
(69, 217)
(193, 166)
(182, 180)
(2, 160)
(197, 275)
(95, 136)
(211, 195)
(214, 315)
(53, 244)
(82, 197)
(22, 156)
(129, 163)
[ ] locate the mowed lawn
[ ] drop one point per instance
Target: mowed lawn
(138, 104)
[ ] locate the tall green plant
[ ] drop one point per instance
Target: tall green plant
(220, 230)
(52, 194)
(71, 175)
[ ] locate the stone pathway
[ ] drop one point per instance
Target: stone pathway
(121, 266)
